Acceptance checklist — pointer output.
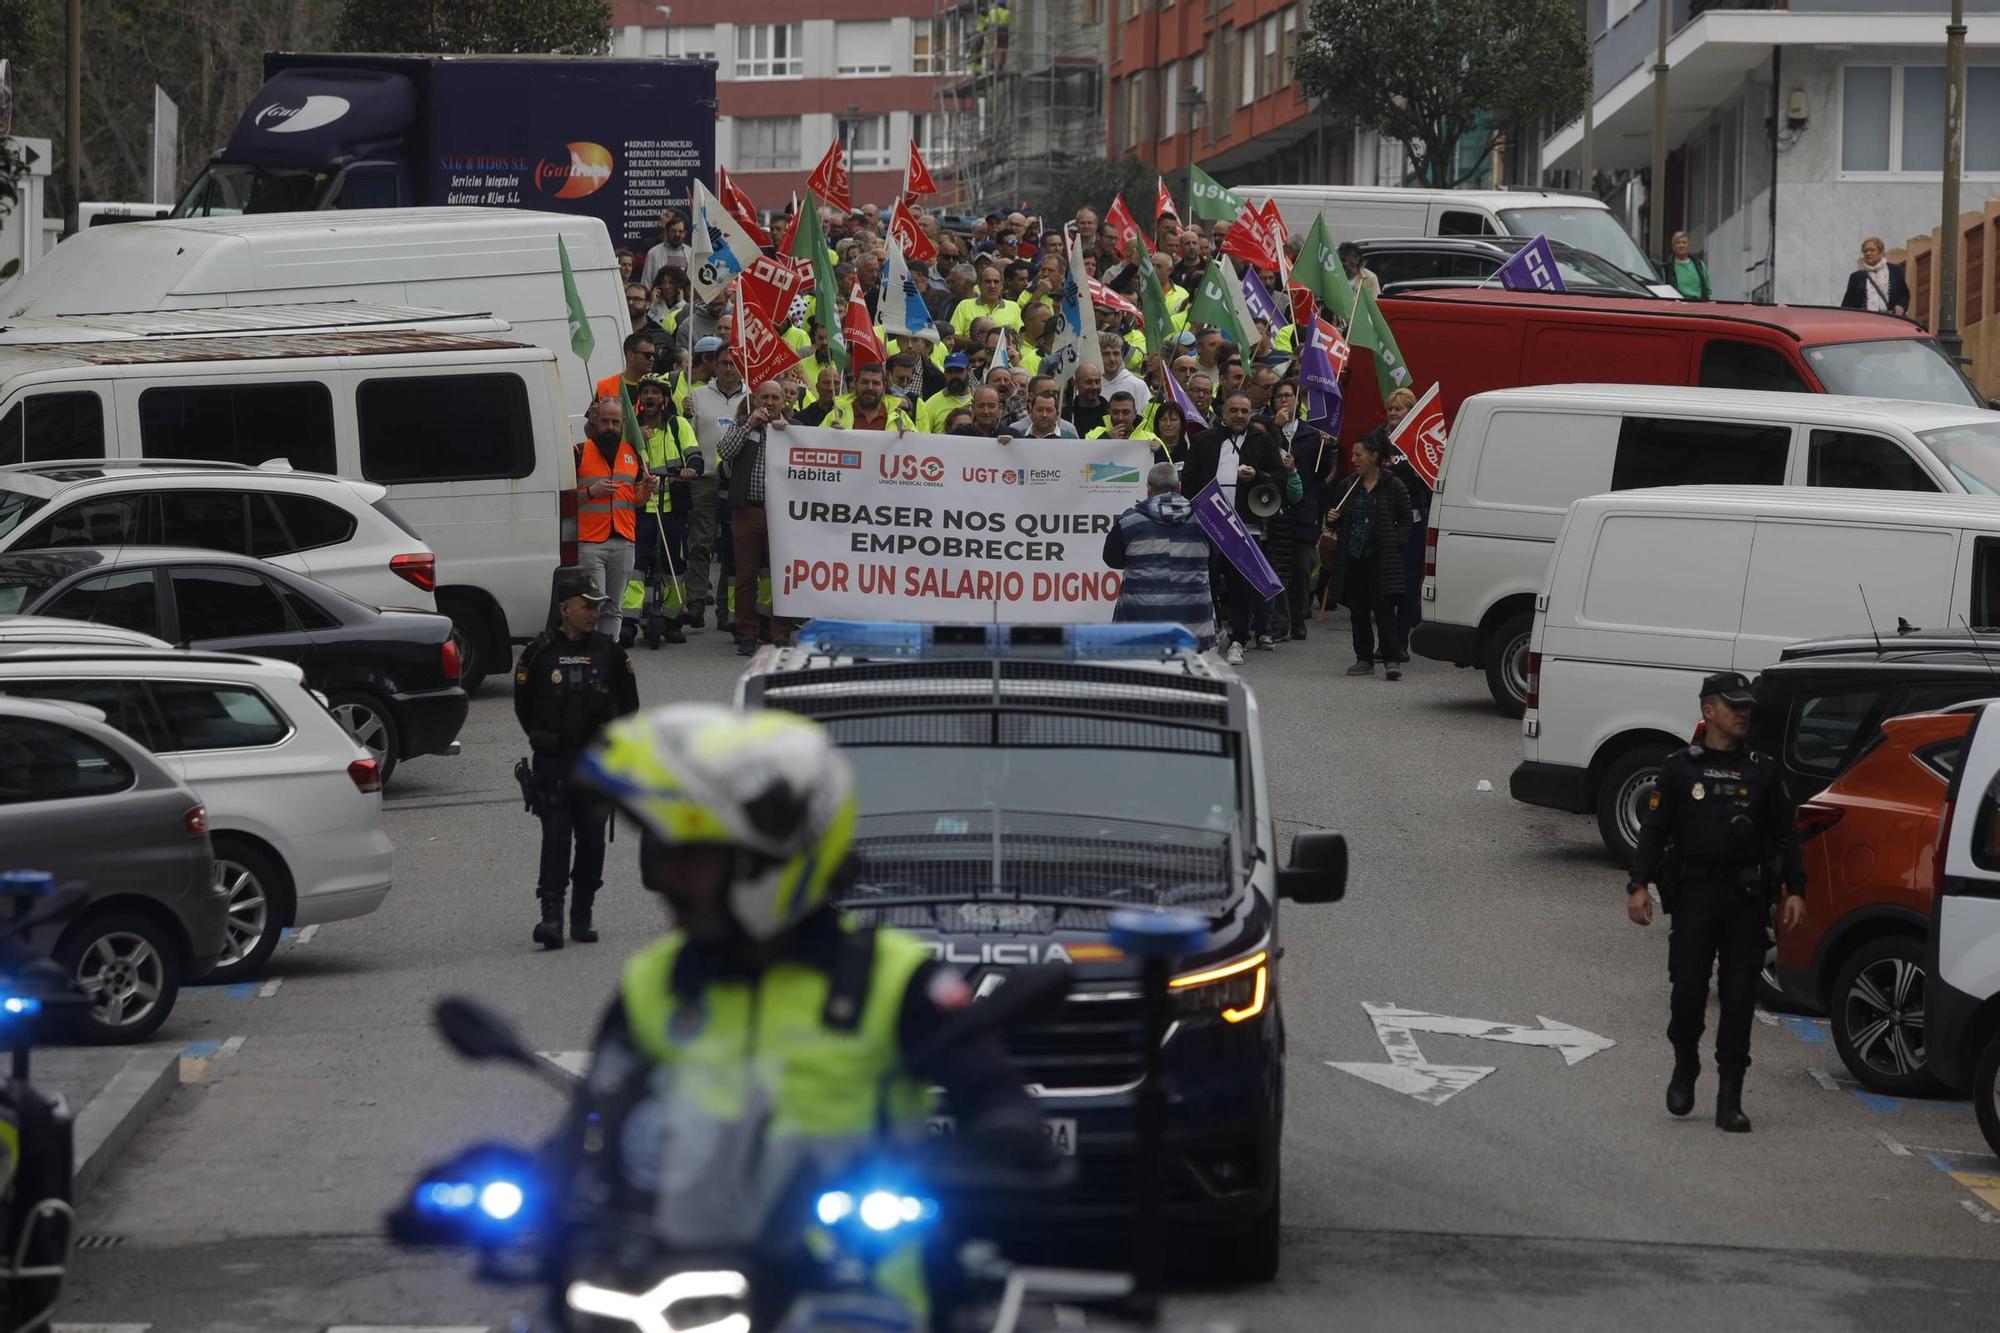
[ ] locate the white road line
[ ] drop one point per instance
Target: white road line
(1895, 1149)
(230, 1047)
(1824, 1079)
(1983, 1214)
(270, 988)
(1769, 1020)
(305, 935)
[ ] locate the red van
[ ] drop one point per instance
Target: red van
(1472, 341)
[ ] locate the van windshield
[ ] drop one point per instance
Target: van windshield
(1971, 452)
(1592, 229)
(226, 189)
(1892, 368)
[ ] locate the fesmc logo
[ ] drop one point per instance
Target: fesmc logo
(587, 171)
(910, 470)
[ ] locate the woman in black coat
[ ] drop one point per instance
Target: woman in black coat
(1373, 520)
(1294, 531)
(1877, 284)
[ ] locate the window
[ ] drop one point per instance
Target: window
(49, 426)
(923, 42)
(1246, 45)
(769, 50)
(1982, 107)
(1170, 95)
(127, 598)
(932, 131)
(1288, 47)
(41, 761)
(1271, 76)
(219, 603)
(369, 189)
(310, 524)
(204, 716)
(445, 428)
(767, 143)
(1864, 117)
(861, 47)
(1727, 164)
(1826, 726)
(1857, 460)
(694, 42)
(307, 612)
(1663, 451)
(1892, 118)
(123, 702)
(113, 520)
(868, 143)
(211, 520)
(1941, 757)
(1727, 364)
(1460, 223)
(1986, 583)
(240, 423)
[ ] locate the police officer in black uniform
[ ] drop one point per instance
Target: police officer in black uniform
(569, 683)
(1718, 831)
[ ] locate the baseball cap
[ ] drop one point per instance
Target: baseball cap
(956, 361)
(703, 346)
(572, 581)
(1732, 687)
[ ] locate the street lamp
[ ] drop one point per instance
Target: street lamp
(1192, 103)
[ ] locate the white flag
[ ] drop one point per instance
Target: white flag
(1241, 304)
(721, 247)
(1075, 323)
(901, 308)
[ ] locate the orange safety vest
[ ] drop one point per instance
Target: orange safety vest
(597, 517)
(617, 386)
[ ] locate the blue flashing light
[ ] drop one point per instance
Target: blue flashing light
(38, 883)
(1132, 640)
(501, 1200)
(863, 638)
(879, 1209)
(1158, 934)
(447, 1196)
(20, 1006)
(901, 640)
(834, 1207)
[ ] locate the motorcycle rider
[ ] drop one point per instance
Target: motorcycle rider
(764, 999)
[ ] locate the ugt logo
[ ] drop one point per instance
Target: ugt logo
(908, 467)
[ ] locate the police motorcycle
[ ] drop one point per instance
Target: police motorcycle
(748, 1233)
(37, 1222)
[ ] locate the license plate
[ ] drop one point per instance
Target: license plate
(1060, 1131)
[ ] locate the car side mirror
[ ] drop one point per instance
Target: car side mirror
(1318, 869)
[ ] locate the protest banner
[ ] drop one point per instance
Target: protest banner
(877, 526)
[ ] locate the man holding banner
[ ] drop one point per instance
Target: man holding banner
(1242, 462)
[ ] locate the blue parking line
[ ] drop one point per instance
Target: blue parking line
(1885, 1105)
(1812, 1031)
(242, 990)
(200, 1050)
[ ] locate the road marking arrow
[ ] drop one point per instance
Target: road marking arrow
(1410, 1074)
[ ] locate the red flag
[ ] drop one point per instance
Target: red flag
(1274, 227)
(1163, 204)
(917, 179)
(740, 207)
(858, 331)
(1100, 295)
(1328, 339)
(761, 353)
(1249, 241)
(829, 178)
(904, 231)
(1421, 437)
(1124, 228)
(1302, 305)
(791, 229)
(769, 285)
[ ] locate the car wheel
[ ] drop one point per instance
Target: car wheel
(1253, 1255)
(365, 718)
(130, 967)
(1876, 1010)
(1985, 1092)
(1507, 663)
(259, 905)
(469, 630)
(1622, 793)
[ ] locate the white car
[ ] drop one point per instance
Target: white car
(1961, 1002)
(58, 629)
(294, 805)
(338, 531)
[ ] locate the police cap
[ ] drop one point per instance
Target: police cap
(574, 582)
(1732, 687)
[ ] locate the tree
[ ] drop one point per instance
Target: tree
(1428, 74)
(576, 27)
(1094, 181)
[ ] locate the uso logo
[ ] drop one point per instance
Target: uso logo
(909, 469)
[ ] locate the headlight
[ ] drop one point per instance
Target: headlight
(1237, 991)
(649, 1311)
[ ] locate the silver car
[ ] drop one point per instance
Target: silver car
(90, 806)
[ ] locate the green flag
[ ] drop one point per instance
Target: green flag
(581, 340)
(1212, 305)
(1211, 201)
(810, 239)
(1391, 372)
(1319, 271)
(634, 436)
(1153, 302)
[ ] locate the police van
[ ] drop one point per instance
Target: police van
(1021, 783)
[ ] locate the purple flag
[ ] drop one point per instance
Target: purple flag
(1259, 301)
(1217, 515)
(1324, 411)
(1532, 269)
(1181, 400)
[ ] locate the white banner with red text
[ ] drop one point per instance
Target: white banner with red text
(870, 525)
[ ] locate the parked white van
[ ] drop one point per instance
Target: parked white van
(467, 431)
(1517, 458)
(498, 261)
(1650, 591)
(1355, 212)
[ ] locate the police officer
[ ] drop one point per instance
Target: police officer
(1718, 828)
(569, 683)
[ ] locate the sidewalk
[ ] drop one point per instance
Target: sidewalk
(111, 1090)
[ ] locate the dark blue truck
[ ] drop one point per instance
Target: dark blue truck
(620, 140)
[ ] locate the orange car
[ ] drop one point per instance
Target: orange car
(1859, 955)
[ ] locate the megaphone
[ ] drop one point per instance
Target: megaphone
(1264, 500)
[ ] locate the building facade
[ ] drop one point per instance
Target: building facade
(1793, 133)
(791, 74)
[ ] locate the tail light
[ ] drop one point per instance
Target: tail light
(566, 528)
(451, 659)
(418, 570)
(1431, 551)
(365, 775)
(1534, 680)
(1815, 819)
(196, 819)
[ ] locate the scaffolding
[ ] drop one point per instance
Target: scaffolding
(1022, 98)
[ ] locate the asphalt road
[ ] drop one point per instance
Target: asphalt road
(1546, 1195)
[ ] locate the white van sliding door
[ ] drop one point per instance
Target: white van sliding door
(1807, 580)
